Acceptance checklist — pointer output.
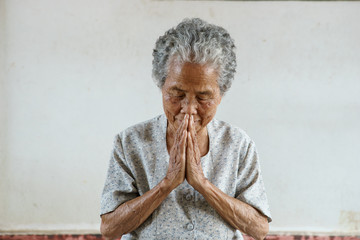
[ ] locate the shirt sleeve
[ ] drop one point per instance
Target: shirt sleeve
(249, 184)
(120, 185)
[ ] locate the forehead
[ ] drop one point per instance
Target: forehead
(191, 76)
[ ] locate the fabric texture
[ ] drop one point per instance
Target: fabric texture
(140, 159)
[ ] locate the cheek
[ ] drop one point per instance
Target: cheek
(208, 110)
(174, 101)
(209, 106)
(171, 104)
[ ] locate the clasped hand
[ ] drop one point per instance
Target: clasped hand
(185, 156)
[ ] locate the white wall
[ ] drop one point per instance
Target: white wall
(74, 73)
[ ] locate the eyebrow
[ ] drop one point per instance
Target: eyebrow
(206, 92)
(176, 89)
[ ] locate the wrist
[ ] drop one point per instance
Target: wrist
(166, 185)
(201, 184)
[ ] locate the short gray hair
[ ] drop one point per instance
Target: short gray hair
(196, 41)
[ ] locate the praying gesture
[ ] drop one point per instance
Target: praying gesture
(185, 155)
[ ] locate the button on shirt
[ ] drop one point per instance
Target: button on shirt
(190, 227)
(188, 197)
(140, 159)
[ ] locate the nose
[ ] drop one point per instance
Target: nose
(189, 106)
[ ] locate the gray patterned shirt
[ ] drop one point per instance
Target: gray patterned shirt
(140, 159)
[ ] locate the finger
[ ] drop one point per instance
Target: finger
(192, 126)
(180, 128)
(183, 143)
(194, 144)
(191, 119)
(183, 137)
(189, 148)
(196, 147)
(186, 122)
(183, 126)
(193, 132)
(190, 145)
(178, 147)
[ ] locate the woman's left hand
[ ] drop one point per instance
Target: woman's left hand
(194, 172)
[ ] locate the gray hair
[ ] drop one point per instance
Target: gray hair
(196, 41)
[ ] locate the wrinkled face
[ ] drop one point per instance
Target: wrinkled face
(190, 89)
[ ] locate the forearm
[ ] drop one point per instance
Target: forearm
(238, 214)
(130, 215)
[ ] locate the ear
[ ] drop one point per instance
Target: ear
(220, 98)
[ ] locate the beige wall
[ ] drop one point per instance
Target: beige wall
(77, 72)
(3, 115)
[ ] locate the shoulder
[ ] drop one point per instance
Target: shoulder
(227, 131)
(143, 132)
(227, 137)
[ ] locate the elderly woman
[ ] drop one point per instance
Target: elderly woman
(186, 175)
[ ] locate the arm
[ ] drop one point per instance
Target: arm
(130, 215)
(238, 214)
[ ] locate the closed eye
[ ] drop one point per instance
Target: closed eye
(204, 97)
(179, 95)
(176, 92)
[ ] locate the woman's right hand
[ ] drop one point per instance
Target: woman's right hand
(177, 161)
